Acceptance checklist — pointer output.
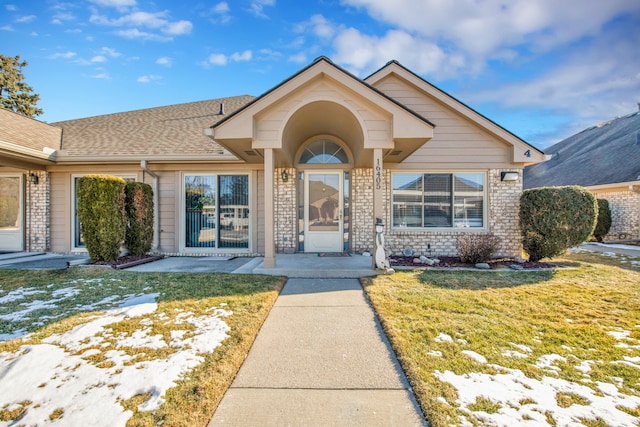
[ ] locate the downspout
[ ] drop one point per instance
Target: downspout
(156, 199)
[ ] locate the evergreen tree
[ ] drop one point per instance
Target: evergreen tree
(15, 94)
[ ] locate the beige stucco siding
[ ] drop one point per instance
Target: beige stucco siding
(456, 143)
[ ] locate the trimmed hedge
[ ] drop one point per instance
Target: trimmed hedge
(139, 209)
(102, 215)
(603, 224)
(554, 219)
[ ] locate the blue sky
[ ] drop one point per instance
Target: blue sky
(543, 69)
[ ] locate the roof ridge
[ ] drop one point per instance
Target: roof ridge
(138, 110)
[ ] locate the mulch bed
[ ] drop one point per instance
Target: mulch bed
(129, 261)
(454, 262)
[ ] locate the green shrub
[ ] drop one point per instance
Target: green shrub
(102, 215)
(603, 224)
(474, 248)
(139, 208)
(553, 219)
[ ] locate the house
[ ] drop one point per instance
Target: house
(306, 167)
(605, 159)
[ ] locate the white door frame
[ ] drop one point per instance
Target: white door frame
(12, 238)
(324, 241)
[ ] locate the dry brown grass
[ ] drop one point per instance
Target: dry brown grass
(564, 312)
(195, 398)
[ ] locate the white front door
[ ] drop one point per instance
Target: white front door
(323, 225)
(11, 207)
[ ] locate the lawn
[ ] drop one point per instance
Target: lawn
(519, 348)
(98, 345)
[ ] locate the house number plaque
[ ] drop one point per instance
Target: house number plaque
(378, 177)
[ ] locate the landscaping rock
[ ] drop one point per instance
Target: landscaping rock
(483, 266)
(516, 267)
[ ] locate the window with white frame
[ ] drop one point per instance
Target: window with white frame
(216, 211)
(438, 200)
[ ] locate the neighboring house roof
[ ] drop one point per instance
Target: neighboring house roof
(172, 131)
(25, 138)
(603, 154)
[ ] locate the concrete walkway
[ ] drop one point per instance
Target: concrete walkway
(628, 250)
(320, 359)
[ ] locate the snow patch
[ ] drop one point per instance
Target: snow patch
(57, 375)
(19, 294)
(475, 356)
(444, 338)
(510, 388)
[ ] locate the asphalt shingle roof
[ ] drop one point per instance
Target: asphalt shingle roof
(604, 154)
(26, 132)
(170, 130)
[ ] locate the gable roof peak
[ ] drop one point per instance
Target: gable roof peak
(322, 58)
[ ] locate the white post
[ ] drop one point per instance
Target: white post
(269, 190)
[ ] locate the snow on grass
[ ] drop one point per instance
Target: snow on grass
(443, 338)
(527, 401)
(509, 397)
(475, 356)
(19, 294)
(28, 306)
(60, 381)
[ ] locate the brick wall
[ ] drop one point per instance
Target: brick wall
(625, 214)
(362, 221)
(37, 229)
(286, 214)
(503, 200)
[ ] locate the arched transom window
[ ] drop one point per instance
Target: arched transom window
(323, 151)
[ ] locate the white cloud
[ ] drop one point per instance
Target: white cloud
(487, 28)
(321, 27)
(221, 8)
(592, 82)
(63, 55)
(178, 28)
(242, 56)
(98, 58)
(6, 28)
(363, 54)
(222, 59)
(257, 7)
(217, 59)
(134, 33)
(102, 76)
(149, 78)
(118, 4)
(165, 60)
(25, 19)
(61, 17)
(220, 13)
(298, 58)
(109, 51)
(144, 19)
(11, 7)
(152, 21)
